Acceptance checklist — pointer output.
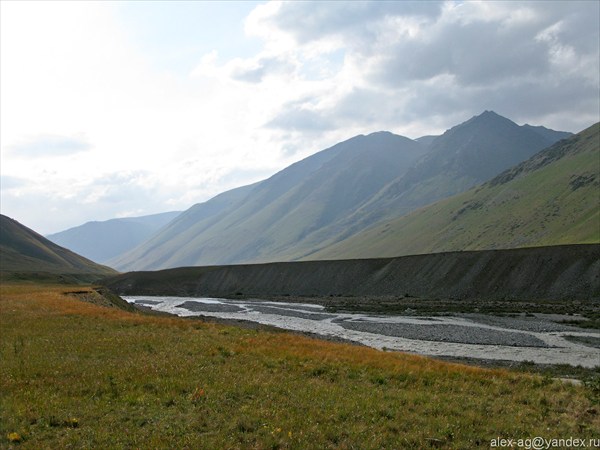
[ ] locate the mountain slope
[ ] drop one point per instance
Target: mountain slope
(336, 193)
(24, 250)
(552, 198)
(461, 158)
(283, 213)
(548, 133)
(464, 156)
(182, 230)
(101, 241)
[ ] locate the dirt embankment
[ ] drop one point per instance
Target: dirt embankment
(570, 272)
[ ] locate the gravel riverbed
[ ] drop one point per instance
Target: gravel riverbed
(459, 335)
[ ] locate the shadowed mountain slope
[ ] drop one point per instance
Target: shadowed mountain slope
(558, 272)
(289, 211)
(464, 156)
(22, 250)
(178, 233)
(552, 198)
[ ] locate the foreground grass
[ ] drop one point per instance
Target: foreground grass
(75, 374)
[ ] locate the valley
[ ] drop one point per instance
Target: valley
(536, 305)
(326, 291)
(289, 225)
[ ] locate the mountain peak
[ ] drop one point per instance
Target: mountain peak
(488, 117)
(381, 133)
(487, 121)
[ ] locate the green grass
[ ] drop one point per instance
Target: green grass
(75, 374)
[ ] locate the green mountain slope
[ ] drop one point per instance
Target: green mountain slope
(22, 250)
(552, 198)
(101, 241)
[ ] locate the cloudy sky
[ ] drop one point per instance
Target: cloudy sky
(132, 108)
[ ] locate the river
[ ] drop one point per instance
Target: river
(537, 338)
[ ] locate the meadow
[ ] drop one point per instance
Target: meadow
(76, 374)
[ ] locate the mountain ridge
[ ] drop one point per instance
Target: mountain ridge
(557, 272)
(338, 192)
(551, 198)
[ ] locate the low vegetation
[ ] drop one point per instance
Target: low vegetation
(79, 374)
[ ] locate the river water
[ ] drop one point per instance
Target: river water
(534, 338)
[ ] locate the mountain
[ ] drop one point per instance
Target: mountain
(101, 241)
(22, 250)
(548, 133)
(337, 193)
(426, 140)
(464, 156)
(552, 198)
(295, 209)
(183, 229)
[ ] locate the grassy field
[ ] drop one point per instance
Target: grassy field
(81, 375)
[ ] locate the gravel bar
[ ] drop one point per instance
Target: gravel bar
(147, 302)
(532, 324)
(445, 333)
(291, 313)
(210, 307)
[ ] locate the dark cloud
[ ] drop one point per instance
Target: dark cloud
(49, 145)
(477, 53)
(309, 21)
(531, 61)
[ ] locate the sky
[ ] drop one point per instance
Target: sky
(118, 109)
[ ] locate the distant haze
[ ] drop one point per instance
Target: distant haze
(123, 109)
(101, 241)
